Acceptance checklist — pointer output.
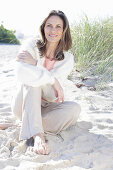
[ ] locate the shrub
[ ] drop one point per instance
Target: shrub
(7, 36)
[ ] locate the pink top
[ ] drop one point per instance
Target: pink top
(49, 64)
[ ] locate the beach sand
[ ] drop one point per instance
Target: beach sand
(87, 145)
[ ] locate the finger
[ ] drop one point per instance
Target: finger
(26, 52)
(47, 151)
(20, 59)
(58, 100)
(41, 150)
(63, 100)
(21, 53)
(21, 56)
(56, 93)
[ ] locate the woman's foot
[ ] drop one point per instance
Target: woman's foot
(40, 145)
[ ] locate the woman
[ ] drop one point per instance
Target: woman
(42, 67)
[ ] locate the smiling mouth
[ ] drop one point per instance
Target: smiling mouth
(52, 35)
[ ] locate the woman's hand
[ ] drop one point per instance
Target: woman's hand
(26, 57)
(58, 91)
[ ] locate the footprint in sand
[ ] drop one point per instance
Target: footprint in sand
(6, 109)
(7, 71)
(3, 104)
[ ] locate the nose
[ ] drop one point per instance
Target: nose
(53, 29)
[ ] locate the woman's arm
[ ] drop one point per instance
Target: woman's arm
(32, 75)
(26, 58)
(26, 70)
(30, 72)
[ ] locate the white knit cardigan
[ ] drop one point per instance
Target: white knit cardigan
(37, 76)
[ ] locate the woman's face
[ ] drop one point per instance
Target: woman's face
(53, 29)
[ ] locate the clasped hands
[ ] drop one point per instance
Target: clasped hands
(26, 57)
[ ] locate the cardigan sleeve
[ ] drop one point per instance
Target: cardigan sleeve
(62, 71)
(30, 75)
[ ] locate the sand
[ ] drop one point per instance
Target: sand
(87, 145)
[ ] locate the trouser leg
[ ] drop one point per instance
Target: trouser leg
(17, 102)
(53, 118)
(31, 116)
(27, 107)
(58, 117)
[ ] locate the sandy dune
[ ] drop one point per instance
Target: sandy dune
(88, 145)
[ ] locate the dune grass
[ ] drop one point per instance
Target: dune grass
(93, 48)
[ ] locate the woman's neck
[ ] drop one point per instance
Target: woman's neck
(50, 50)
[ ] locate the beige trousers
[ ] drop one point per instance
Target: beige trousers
(39, 116)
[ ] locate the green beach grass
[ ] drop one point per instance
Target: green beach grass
(93, 48)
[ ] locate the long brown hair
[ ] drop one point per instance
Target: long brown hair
(66, 41)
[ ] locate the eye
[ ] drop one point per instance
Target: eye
(58, 26)
(48, 25)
